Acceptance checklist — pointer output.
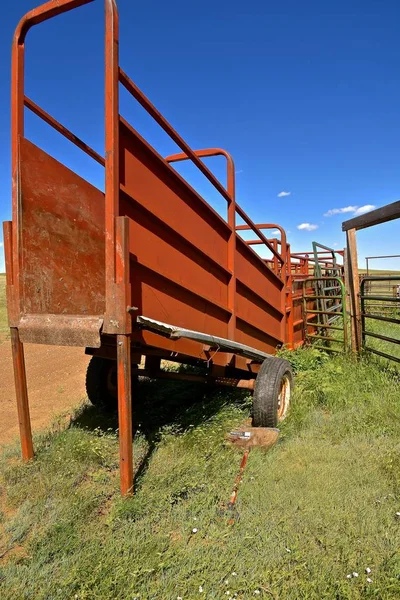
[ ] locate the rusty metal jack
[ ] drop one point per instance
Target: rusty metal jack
(248, 437)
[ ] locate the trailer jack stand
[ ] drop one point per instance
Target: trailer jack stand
(251, 437)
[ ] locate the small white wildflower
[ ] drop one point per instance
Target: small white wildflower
(349, 576)
(194, 518)
(257, 592)
(288, 550)
(369, 580)
(200, 589)
(227, 593)
(179, 598)
(398, 514)
(368, 570)
(355, 574)
(234, 574)
(194, 530)
(226, 582)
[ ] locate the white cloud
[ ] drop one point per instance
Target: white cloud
(356, 210)
(238, 172)
(276, 232)
(283, 194)
(307, 226)
(339, 211)
(364, 209)
(1, 244)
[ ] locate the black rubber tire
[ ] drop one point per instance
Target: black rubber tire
(101, 384)
(267, 389)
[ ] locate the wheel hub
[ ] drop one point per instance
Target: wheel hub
(284, 398)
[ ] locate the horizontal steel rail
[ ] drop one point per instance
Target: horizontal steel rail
(379, 336)
(381, 298)
(386, 302)
(381, 318)
(173, 332)
(39, 112)
(383, 354)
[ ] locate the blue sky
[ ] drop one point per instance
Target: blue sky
(304, 95)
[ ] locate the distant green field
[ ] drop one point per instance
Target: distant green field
(378, 273)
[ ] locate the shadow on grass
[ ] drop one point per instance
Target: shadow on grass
(157, 404)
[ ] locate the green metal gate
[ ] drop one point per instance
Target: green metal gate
(380, 316)
(325, 267)
(324, 309)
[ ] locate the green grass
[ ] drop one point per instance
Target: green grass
(319, 506)
(391, 330)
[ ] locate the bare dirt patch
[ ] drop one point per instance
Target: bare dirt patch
(56, 383)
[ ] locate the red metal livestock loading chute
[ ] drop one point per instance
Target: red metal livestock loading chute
(147, 268)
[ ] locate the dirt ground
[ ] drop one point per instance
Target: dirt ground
(56, 383)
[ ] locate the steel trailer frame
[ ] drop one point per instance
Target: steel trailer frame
(150, 252)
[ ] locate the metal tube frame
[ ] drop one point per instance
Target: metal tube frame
(341, 311)
(365, 315)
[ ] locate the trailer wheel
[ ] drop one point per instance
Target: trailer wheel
(272, 392)
(101, 382)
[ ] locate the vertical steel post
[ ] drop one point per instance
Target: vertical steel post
(354, 289)
(124, 367)
(231, 248)
(125, 414)
(21, 392)
(290, 291)
(362, 294)
(111, 171)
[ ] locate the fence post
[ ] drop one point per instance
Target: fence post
(354, 289)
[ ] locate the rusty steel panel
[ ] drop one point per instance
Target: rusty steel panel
(61, 330)
(62, 238)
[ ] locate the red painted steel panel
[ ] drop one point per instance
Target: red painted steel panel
(148, 179)
(179, 249)
(159, 249)
(252, 336)
(253, 310)
(62, 238)
(160, 298)
(254, 274)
